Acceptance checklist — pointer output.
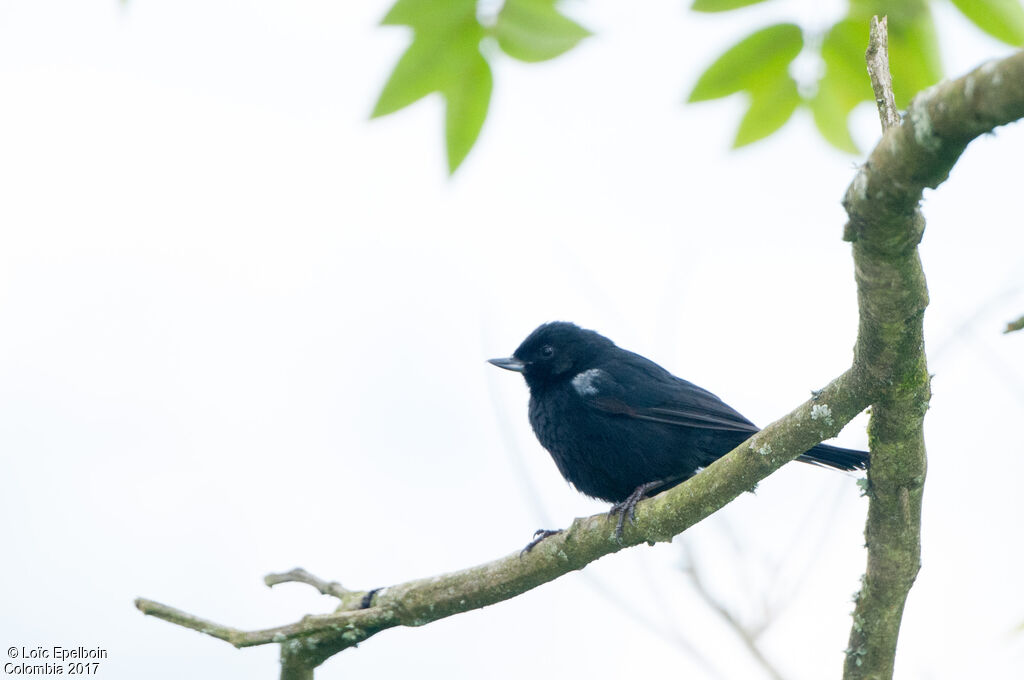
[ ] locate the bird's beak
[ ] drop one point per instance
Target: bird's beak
(509, 364)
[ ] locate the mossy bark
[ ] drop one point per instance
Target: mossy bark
(886, 226)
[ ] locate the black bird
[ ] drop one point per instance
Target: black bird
(620, 427)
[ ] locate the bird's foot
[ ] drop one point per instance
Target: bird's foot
(628, 506)
(367, 600)
(538, 536)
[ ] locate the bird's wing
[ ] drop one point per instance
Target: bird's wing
(643, 390)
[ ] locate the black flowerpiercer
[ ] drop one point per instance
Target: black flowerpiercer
(620, 427)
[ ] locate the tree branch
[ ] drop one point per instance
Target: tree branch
(886, 225)
(920, 152)
(344, 621)
(878, 70)
(310, 641)
(350, 599)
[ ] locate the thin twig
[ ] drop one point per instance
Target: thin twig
(345, 621)
(299, 575)
(878, 70)
(747, 635)
(186, 620)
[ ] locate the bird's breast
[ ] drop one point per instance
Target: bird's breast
(592, 450)
(608, 455)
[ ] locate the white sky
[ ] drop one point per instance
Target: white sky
(244, 329)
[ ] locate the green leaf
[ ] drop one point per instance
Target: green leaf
(427, 66)
(843, 49)
(764, 55)
(771, 105)
(1001, 19)
(900, 12)
(913, 56)
(429, 16)
(831, 108)
(533, 30)
(446, 35)
(721, 5)
(444, 57)
(844, 84)
(466, 110)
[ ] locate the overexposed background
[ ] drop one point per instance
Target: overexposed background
(242, 329)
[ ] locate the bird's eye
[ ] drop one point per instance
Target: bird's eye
(547, 351)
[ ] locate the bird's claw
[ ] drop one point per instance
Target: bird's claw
(628, 506)
(538, 536)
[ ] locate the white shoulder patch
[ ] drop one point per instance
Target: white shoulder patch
(585, 383)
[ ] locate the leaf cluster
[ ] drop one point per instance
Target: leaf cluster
(447, 56)
(760, 65)
(455, 41)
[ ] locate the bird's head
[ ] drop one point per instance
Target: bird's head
(555, 351)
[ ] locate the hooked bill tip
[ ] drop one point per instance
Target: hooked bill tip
(509, 364)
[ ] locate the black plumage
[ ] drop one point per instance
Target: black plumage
(621, 427)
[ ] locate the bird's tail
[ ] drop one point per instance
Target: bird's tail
(835, 457)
